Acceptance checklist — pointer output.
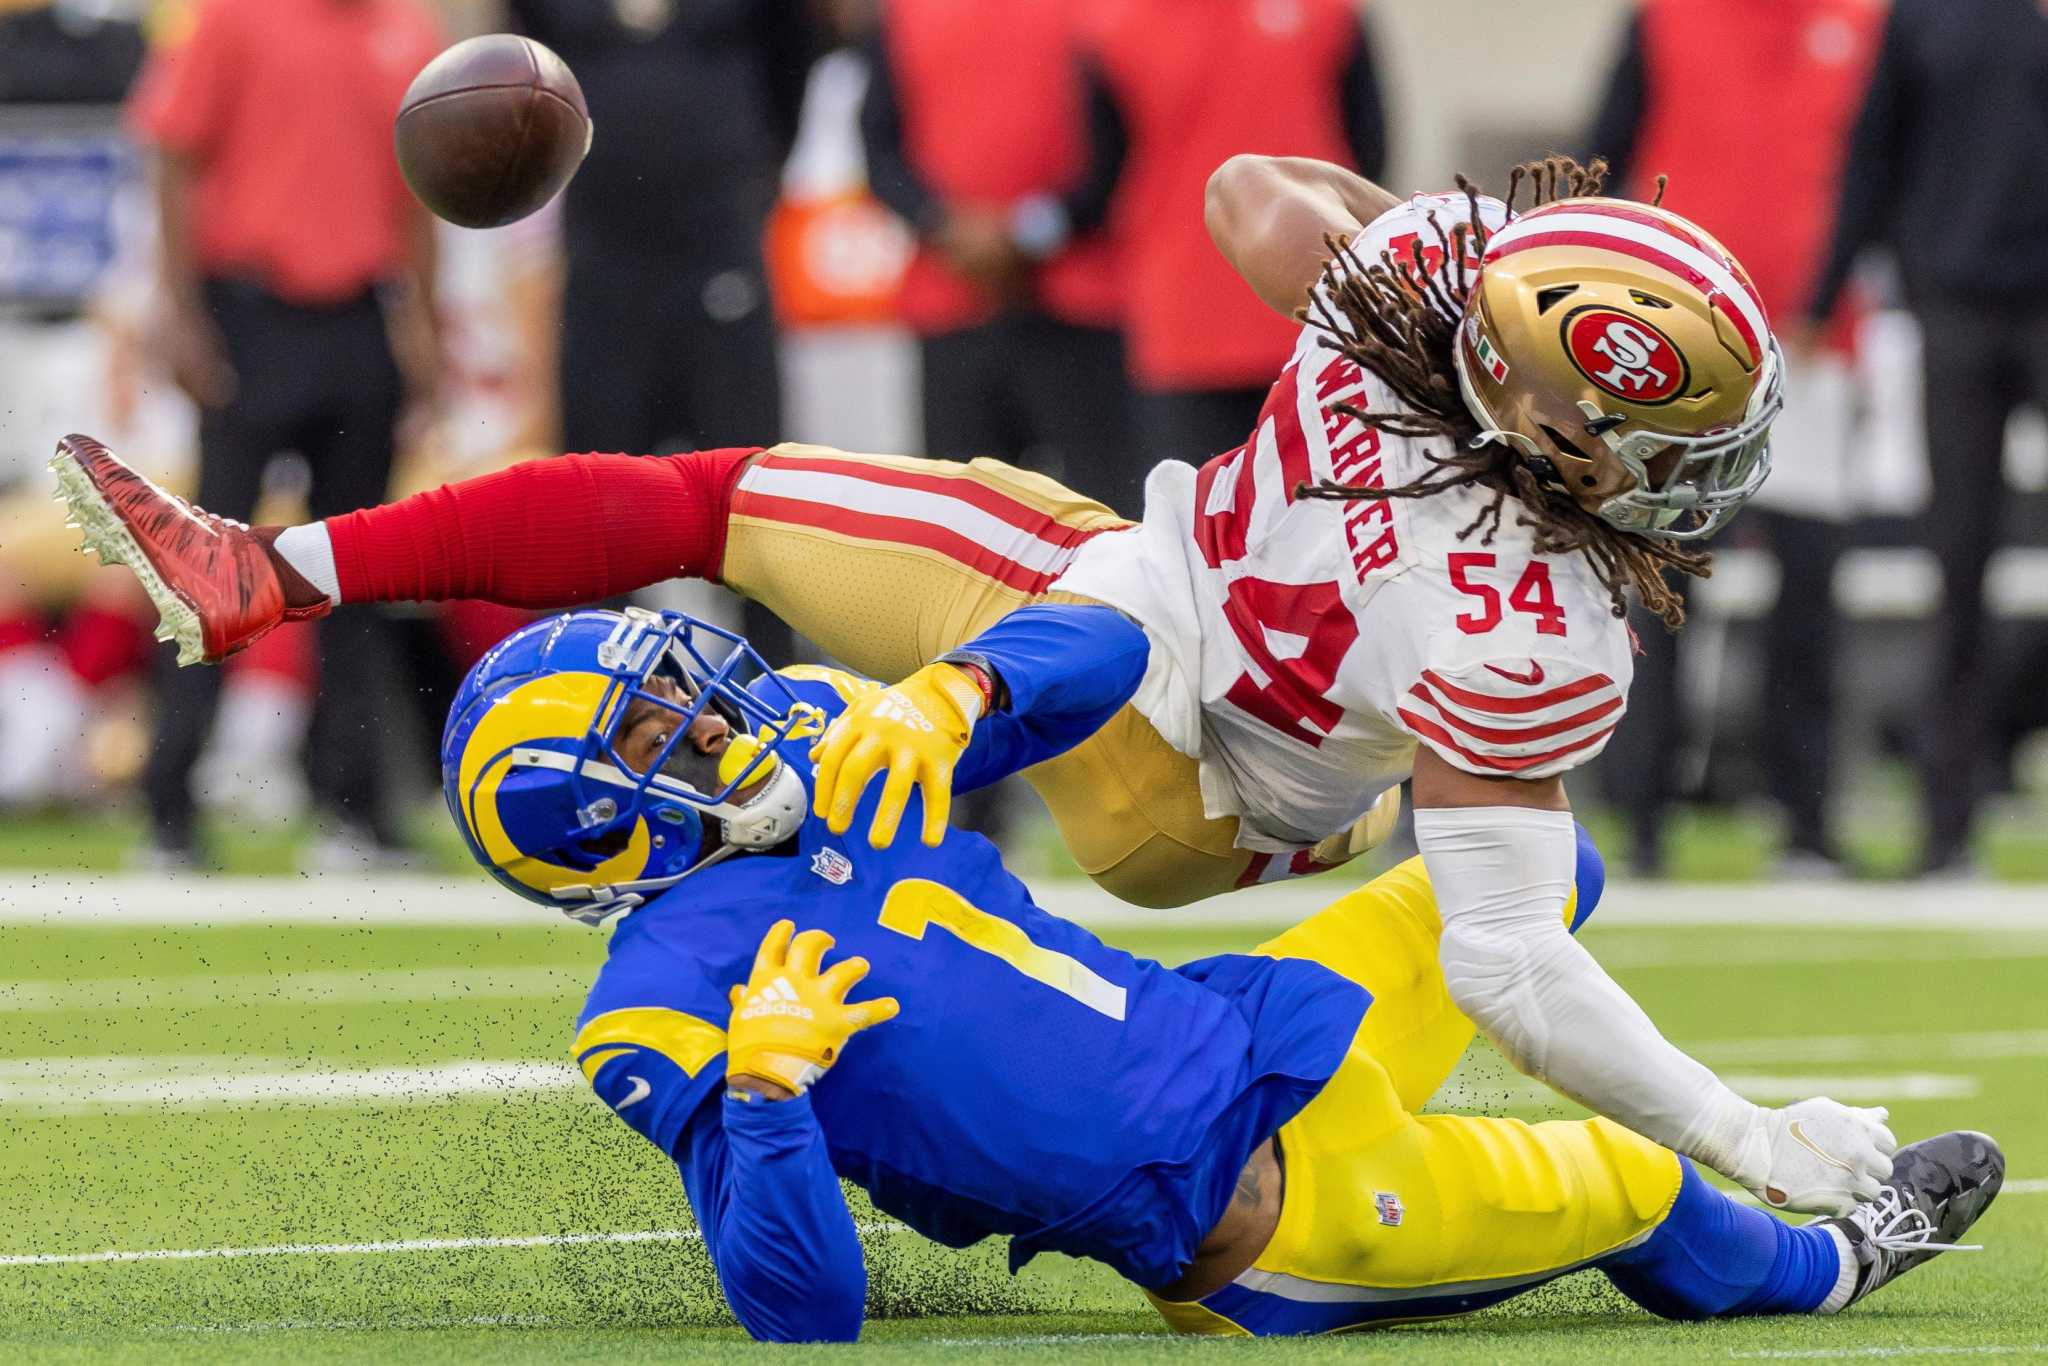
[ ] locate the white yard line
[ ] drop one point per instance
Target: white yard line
(150, 899)
(1809, 1049)
(1852, 1090)
(92, 1085)
(867, 1228)
(367, 987)
(1645, 948)
(1853, 1353)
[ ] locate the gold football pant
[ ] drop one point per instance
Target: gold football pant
(1391, 1216)
(889, 561)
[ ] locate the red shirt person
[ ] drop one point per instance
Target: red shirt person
(1196, 82)
(980, 133)
(288, 237)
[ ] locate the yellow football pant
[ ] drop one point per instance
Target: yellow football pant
(889, 561)
(1391, 1216)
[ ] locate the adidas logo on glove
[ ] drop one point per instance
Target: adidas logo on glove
(777, 998)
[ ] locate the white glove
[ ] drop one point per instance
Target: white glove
(1816, 1156)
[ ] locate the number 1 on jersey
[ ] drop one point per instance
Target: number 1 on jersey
(1532, 594)
(913, 904)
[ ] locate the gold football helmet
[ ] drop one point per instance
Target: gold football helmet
(1628, 349)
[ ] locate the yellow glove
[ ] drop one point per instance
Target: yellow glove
(917, 731)
(790, 1021)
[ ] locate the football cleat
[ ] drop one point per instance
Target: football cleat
(1939, 1187)
(214, 584)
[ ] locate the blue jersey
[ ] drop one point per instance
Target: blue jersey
(1038, 1084)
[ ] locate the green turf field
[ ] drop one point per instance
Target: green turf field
(393, 1102)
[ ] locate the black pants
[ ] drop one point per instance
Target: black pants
(659, 357)
(1194, 424)
(1801, 635)
(321, 382)
(1040, 393)
(1983, 357)
(1795, 731)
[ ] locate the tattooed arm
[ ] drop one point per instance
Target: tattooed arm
(1242, 1233)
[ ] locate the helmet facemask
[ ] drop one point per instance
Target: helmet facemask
(755, 799)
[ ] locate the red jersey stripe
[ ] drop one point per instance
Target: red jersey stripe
(1021, 515)
(1515, 764)
(1515, 706)
(1520, 735)
(870, 526)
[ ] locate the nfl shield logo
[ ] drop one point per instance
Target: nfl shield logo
(833, 866)
(1389, 1206)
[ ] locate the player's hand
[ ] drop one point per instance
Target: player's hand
(791, 1020)
(1823, 1158)
(915, 732)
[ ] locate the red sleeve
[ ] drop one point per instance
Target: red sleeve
(181, 98)
(544, 534)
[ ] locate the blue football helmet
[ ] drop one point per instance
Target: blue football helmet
(535, 782)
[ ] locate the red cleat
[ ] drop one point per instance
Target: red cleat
(212, 580)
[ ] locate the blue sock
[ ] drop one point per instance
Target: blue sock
(1714, 1256)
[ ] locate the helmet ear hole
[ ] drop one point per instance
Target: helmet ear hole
(1565, 444)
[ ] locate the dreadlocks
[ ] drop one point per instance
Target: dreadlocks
(1399, 320)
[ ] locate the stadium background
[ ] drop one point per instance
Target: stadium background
(330, 1116)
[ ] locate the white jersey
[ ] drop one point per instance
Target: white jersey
(1301, 647)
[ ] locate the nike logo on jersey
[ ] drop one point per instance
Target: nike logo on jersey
(1527, 680)
(641, 1091)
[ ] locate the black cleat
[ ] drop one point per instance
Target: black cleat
(1938, 1188)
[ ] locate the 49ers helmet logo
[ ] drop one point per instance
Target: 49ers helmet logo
(1625, 355)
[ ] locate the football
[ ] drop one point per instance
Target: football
(491, 129)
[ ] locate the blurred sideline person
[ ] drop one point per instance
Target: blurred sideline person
(1950, 171)
(982, 137)
(668, 341)
(1746, 106)
(296, 274)
(1193, 83)
(1237, 1136)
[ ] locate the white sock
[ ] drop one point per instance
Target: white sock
(308, 550)
(1845, 1285)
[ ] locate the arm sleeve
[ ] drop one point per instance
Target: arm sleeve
(1620, 119)
(1870, 170)
(890, 175)
(1365, 115)
(1502, 876)
(758, 1176)
(1061, 670)
(775, 1220)
(1087, 204)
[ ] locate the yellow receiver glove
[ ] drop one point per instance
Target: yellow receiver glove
(790, 1021)
(915, 731)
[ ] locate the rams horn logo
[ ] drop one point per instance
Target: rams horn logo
(1624, 355)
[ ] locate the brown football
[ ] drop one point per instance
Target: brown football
(491, 129)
